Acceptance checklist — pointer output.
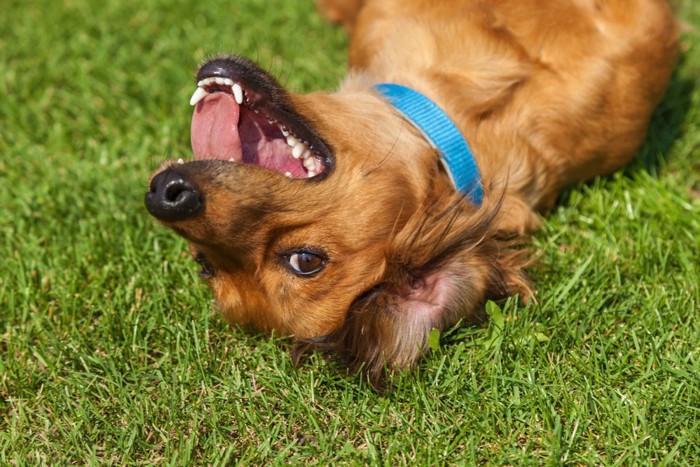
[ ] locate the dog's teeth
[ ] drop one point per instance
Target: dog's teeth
(311, 173)
(215, 80)
(237, 93)
(198, 95)
(288, 174)
(284, 131)
(292, 141)
(298, 150)
(232, 159)
(310, 164)
(180, 161)
(306, 154)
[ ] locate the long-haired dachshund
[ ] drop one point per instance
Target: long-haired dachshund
(356, 221)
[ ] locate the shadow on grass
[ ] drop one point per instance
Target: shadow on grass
(666, 123)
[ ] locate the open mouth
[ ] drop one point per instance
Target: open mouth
(243, 115)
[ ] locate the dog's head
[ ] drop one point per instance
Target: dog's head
(328, 218)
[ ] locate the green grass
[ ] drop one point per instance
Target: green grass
(110, 352)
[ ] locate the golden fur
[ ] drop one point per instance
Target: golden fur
(547, 93)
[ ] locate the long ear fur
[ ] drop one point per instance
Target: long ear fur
(442, 267)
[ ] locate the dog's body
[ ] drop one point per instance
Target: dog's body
(366, 245)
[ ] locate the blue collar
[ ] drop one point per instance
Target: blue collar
(441, 133)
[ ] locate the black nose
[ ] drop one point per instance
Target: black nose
(172, 198)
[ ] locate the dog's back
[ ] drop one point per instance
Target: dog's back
(554, 91)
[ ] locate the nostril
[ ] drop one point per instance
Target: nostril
(176, 189)
(172, 197)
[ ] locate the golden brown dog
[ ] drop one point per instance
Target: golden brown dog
(330, 218)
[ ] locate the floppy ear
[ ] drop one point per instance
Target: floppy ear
(442, 267)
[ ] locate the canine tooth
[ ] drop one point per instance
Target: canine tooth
(180, 161)
(198, 95)
(311, 173)
(298, 150)
(292, 141)
(237, 93)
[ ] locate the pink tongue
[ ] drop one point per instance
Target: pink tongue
(215, 128)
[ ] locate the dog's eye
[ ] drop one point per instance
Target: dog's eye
(207, 270)
(305, 263)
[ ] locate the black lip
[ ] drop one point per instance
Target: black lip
(207, 271)
(265, 94)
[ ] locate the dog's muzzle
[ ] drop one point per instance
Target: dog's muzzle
(171, 197)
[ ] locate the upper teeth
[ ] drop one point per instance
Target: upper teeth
(237, 93)
(201, 91)
(299, 149)
(198, 95)
(310, 163)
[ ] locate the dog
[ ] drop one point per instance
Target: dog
(359, 220)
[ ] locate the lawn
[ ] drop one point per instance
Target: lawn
(111, 351)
